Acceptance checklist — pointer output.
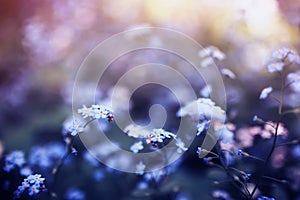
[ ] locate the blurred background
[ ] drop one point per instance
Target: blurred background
(43, 43)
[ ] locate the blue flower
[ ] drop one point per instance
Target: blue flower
(247, 176)
(137, 146)
(227, 158)
(255, 118)
(35, 179)
(100, 111)
(14, 159)
(293, 57)
(24, 185)
(265, 198)
(25, 171)
(45, 156)
(142, 185)
(242, 153)
(276, 66)
(296, 151)
(34, 189)
(203, 125)
(181, 146)
(33, 184)
(226, 136)
(205, 160)
(90, 159)
(221, 194)
(159, 135)
(74, 194)
(97, 112)
(98, 175)
(140, 168)
(72, 127)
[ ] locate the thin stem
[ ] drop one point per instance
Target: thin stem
(288, 84)
(294, 110)
(237, 170)
(244, 191)
(274, 179)
(293, 142)
(274, 98)
(68, 151)
(275, 136)
(66, 154)
(256, 158)
(85, 125)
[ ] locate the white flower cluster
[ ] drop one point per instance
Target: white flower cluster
(152, 137)
(293, 79)
(159, 135)
(208, 54)
(202, 107)
(136, 131)
(281, 56)
(137, 146)
(96, 112)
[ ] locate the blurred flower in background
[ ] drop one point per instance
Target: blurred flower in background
(43, 44)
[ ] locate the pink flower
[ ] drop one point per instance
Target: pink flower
(270, 127)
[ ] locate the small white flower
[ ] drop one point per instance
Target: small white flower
(140, 168)
(158, 135)
(202, 106)
(280, 53)
(136, 131)
(96, 112)
(213, 52)
(181, 146)
(100, 111)
(77, 128)
(203, 53)
(169, 134)
(219, 55)
(206, 62)
(294, 77)
(86, 111)
(265, 92)
(276, 66)
(228, 73)
(293, 57)
(157, 175)
(72, 126)
(206, 90)
(136, 147)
